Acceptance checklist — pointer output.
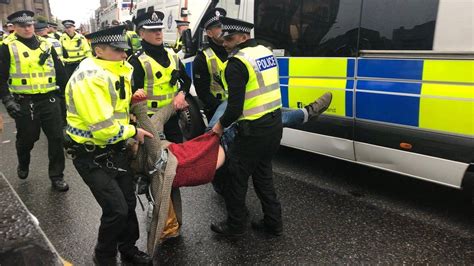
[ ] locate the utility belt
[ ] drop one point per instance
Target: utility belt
(35, 97)
(260, 126)
(75, 149)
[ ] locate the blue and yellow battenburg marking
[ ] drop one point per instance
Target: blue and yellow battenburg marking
(302, 80)
(431, 94)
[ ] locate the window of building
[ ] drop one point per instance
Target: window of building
(398, 24)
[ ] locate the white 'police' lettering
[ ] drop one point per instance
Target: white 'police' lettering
(265, 63)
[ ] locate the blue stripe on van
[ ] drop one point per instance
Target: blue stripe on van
(388, 108)
(349, 105)
(386, 86)
(390, 68)
(350, 68)
(283, 67)
(284, 92)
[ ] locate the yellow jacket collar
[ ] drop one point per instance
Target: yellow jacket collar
(121, 68)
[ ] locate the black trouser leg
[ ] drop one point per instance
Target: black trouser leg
(235, 192)
(114, 193)
(28, 132)
(70, 67)
(51, 123)
(263, 184)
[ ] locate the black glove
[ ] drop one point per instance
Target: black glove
(13, 108)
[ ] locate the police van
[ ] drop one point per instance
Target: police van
(401, 74)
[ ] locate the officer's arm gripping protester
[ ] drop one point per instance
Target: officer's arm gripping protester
(252, 80)
(98, 104)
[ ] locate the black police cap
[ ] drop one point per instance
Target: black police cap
(212, 17)
(40, 25)
(150, 20)
(114, 36)
(181, 23)
(22, 17)
(232, 25)
(52, 24)
(69, 23)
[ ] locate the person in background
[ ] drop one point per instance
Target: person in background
(53, 30)
(75, 47)
(30, 72)
(181, 26)
(133, 39)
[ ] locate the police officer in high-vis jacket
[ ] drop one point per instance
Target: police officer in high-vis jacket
(251, 78)
(75, 47)
(181, 26)
(133, 39)
(98, 106)
(159, 72)
(30, 72)
(209, 64)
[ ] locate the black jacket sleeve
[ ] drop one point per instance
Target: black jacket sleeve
(61, 77)
(4, 70)
(202, 83)
(184, 79)
(237, 76)
(138, 73)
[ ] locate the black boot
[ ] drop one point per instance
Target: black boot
(100, 261)
(138, 258)
(22, 174)
(260, 226)
(60, 185)
(224, 229)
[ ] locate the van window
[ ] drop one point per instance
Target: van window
(230, 7)
(308, 27)
(398, 24)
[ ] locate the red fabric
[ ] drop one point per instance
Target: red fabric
(197, 160)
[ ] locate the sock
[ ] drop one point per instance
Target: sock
(306, 115)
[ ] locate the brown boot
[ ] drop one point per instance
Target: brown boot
(319, 106)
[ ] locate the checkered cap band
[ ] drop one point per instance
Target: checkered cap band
(109, 39)
(149, 22)
(236, 28)
(211, 20)
(23, 19)
(182, 23)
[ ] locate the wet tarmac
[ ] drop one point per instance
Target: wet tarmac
(333, 212)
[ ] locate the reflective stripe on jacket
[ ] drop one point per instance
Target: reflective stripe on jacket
(76, 48)
(216, 70)
(27, 76)
(157, 79)
(96, 112)
(262, 92)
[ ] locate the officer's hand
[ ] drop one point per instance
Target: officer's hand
(140, 93)
(141, 134)
(179, 102)
(218, 129)
(13, 108)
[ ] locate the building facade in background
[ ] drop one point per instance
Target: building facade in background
(40, 7)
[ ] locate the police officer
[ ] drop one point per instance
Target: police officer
(1, 36)
(157, 70)
(132, 38)
(75, 46)
(181, 26)
(251, 77)
(209, 64)
(98, 103)
(53, 30)
(29, 72)
(41, 29)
